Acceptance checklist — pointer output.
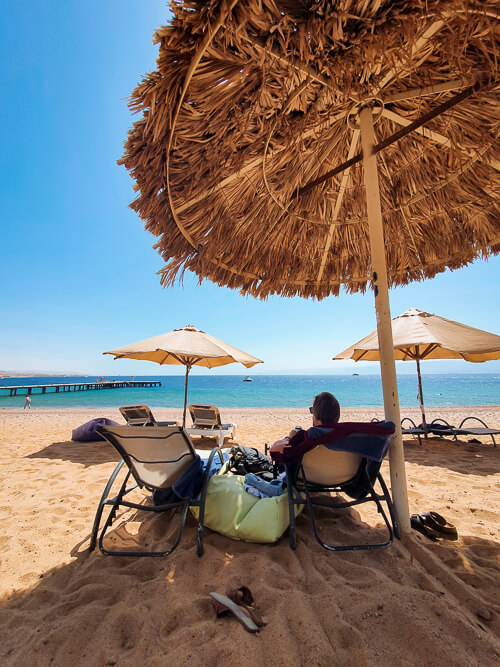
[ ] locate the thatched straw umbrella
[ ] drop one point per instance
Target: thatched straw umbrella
(294, 147)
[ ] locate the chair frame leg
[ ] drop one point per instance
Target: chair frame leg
(202, 501)
(294, 498)
(102, 503)
(119, 501)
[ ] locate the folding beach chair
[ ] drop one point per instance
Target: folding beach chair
(141, 415)
(160, 460)
(349, 465)
(207, 422)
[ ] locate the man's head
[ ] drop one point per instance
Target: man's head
(325, 409)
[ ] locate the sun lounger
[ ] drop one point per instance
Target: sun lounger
(441, 428)
(158, 460)
(413, 429)
(141, 415)
(207, 422)
(477, 431)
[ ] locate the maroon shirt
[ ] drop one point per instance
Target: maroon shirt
(336, 436)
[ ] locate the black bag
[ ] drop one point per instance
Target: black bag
(243, 460)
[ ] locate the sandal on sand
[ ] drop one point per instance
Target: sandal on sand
(223, 604)
(440, 524)
(243, 596)
(418, 524)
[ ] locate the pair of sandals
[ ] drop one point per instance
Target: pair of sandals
(239, 601)
(434, 526)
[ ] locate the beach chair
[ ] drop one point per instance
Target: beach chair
(413, 429)
(475, 431)
(441, 428)
(207, 422)
(159, 460)
(351, 466)
(141, 415)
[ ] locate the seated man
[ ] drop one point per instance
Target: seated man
(325, 412)
(327, 431)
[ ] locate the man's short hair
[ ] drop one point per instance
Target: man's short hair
(326, 408)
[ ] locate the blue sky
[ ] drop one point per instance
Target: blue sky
(78, 268)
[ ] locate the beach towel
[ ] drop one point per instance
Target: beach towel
(368, 439)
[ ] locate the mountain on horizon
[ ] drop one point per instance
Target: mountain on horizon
(38, 374)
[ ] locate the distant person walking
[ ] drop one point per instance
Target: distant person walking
(27, 403)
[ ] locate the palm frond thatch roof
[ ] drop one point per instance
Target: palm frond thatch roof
(253, 100)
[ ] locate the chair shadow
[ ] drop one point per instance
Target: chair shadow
(466, 458)
(85, 453)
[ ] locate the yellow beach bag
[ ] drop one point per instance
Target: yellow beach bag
(235, 513)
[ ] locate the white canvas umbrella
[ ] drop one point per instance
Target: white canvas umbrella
(188, 347)
(418, 335)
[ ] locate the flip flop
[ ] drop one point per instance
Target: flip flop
(417, 523)
(437, 522)
(223, 604)
(243, 597)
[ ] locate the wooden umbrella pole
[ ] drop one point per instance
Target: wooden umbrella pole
(381, 291)
(421, 398)
(188, 368)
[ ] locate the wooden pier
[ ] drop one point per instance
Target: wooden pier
(27, 390)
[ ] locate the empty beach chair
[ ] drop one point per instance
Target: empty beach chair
(477, 430)
(141, 415)
(413, 429)
(207, 422)
(156, 460)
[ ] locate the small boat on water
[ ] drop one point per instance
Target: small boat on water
(248, 379)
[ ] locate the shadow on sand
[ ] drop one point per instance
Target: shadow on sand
(475, 459)
(85, 453)
(341, 608)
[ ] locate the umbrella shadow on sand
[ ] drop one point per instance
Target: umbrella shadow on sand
(84, 453)
(479, 459)
(122, 603)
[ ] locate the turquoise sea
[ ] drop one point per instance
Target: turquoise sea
(265, 391)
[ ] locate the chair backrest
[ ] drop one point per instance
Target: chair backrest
(157, 457)
(325, 466)
(204, 415)
(138, 415)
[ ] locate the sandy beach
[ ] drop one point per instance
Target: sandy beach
(415, 603)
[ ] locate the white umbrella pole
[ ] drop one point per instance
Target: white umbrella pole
(188, 368)
(421, 398)
(384, 329)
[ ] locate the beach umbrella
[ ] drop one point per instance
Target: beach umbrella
(418, 335)
(188, 347)
(293, 147)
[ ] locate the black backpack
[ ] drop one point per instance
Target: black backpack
(243, 460)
